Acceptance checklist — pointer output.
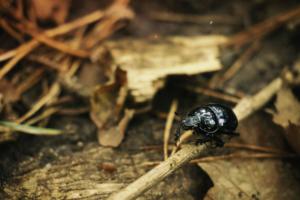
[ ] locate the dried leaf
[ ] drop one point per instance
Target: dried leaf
(247, 178)
(99, 70)
(114, 135)
(106, 105)
(250, 179)
(56, 10)
(288, 116)
(149, 62)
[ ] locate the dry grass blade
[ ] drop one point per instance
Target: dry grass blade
(168, 126)
(30, 81)
(30, 129)
(45, 61)
(20, 53)
(7, 55)
(10, 30)
(45, 114)
(52, 93)
(57, 44)
(75, 111)
(27, 47)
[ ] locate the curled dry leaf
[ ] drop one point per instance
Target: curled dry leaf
(288, 116)
(149, 62)
(114, 135)
(97, 71)
(106, 110)
(56, 10)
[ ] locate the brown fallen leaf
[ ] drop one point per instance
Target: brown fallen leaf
(98, 70)
(259, 178)
(114, 135)
(107, 103)
(56, 10)
(288, 116)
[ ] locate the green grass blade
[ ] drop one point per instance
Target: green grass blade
(30, 129)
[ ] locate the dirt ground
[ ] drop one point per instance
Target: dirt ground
(78, 165)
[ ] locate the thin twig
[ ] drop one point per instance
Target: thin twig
(74, 111)
(168, 126)
(261, 29)
(244, 156)
(220, 79)
(232, 156)
(10, 30)
(159, 173)
(56, 44)
(240, 62)
(45, 61)
(249, 105)
(53, 92)
(255, 148)
(190, 152)
(249, 147)
(213, 93)
(31, 80)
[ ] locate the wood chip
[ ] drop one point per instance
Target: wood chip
(149, 62)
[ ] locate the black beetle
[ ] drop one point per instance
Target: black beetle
(209, 122)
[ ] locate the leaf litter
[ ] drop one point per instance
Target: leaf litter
(111, 79)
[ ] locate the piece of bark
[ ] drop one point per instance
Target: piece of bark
(148, 62)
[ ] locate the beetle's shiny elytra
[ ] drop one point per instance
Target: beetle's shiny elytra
(209, 122)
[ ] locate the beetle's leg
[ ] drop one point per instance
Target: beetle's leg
(178, 132)
(218, 141)
(235, 134)
(231, 133)
(202, 140)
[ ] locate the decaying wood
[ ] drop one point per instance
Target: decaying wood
(83, 175)
(159, 173)
(46, 182)
(243, 109)
(149, 62)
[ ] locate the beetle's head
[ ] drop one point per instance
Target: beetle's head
(188, 123)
